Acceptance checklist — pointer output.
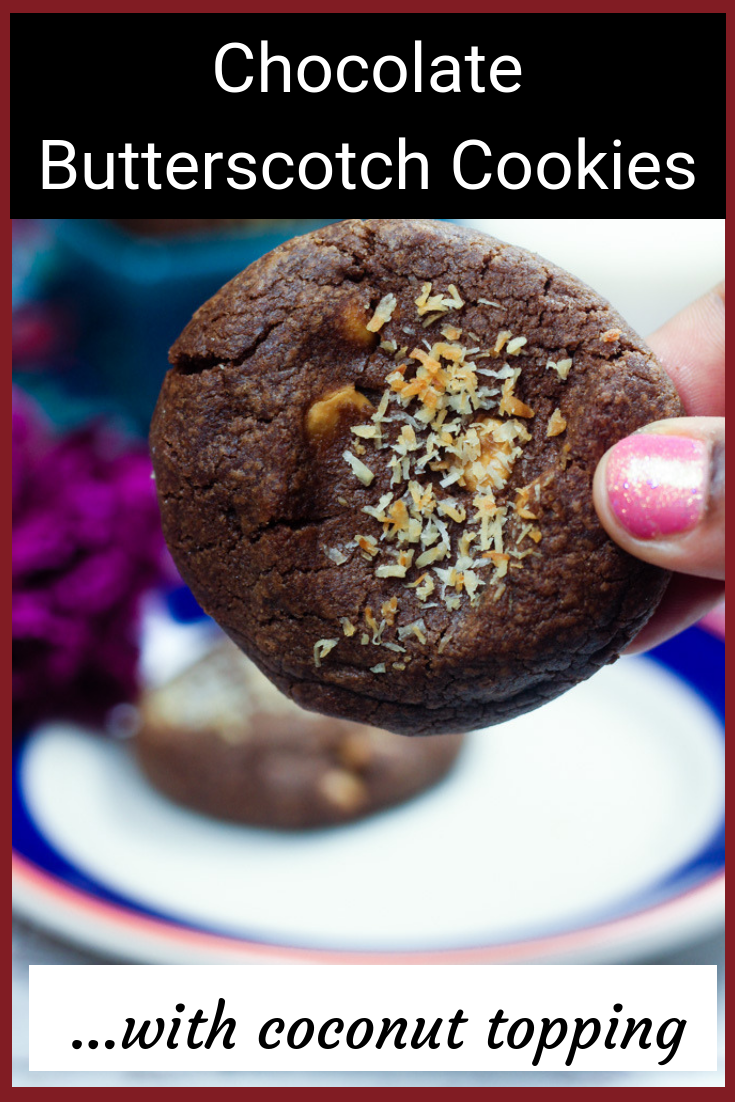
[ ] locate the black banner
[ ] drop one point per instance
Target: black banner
(532, 114)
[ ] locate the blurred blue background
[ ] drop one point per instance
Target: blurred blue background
(96, 305)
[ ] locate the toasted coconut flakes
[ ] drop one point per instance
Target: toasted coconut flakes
(380, 668)
(366, 432)
(397, 518)
(521, 505)
(432, 555)
(395, 648)
(364, 638)
(485, 505)
(496, 557)
(413, 534)
(500, 590)
(368, 545)
(449, 508)
(562, 368)
(378, 511)
(335, 555)
(399, 570)
(611, 335)
(362, 472)
(347, 627)
(456, 578)
(427, 303)
(396, 381)
(343, 501)
(379, 414)
(433, 305)
(465, 541)
(487, 302)
(556, 424)
(322, 648)
(388, 610)
(426, 589)
(510, 404)
(383, 313)
(468, 435)
(504, 372)
(423, 297)
(454, 301)
(417, 628)
(449, 350)
(407, 439)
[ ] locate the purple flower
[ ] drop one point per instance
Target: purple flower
(86, 544)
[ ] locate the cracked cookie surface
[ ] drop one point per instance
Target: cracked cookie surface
(374, 457)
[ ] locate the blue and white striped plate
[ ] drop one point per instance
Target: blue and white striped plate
(592, 829)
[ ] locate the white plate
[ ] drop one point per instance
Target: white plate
(588, 830)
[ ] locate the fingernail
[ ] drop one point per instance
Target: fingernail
(657, 484)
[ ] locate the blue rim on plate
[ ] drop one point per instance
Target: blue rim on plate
(42, 872)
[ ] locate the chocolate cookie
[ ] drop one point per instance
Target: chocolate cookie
(374, 455)
(219, 738)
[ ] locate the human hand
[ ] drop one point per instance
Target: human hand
(660, 493)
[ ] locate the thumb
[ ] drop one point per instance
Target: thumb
(660, 494)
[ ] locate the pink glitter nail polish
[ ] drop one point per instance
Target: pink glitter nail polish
(657, 484)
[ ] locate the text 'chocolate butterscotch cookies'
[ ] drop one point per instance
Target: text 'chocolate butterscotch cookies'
(374, 456)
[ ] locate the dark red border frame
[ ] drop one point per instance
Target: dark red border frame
(310, 1094)
(372, 7)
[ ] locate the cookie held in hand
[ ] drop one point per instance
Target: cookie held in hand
(221, 739)
(374, 455)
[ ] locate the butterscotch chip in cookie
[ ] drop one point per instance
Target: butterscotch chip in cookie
(221, 739)
(402, 415)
